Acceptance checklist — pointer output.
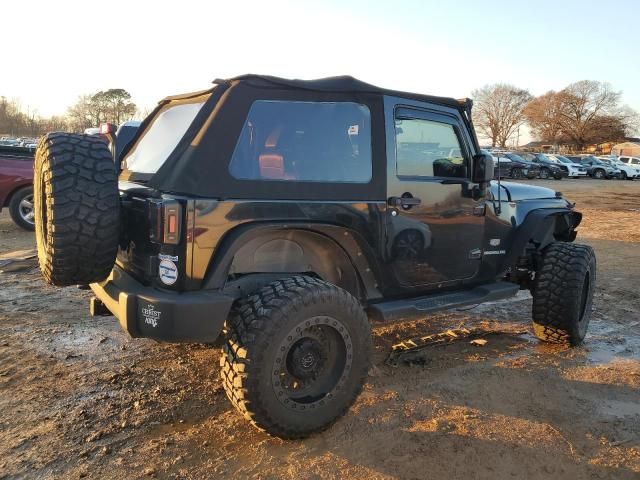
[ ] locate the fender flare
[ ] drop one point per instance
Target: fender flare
(541, 227)
(348, 249)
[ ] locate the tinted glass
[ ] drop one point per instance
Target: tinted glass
(304, 141)
(515, 158)
(162, 136)
(425, 148)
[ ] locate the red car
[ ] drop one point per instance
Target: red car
(16, 184)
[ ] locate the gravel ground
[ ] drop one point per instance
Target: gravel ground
(79, 398)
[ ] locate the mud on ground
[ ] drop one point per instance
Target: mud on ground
(79, 398)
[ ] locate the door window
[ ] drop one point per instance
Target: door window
(426, 148)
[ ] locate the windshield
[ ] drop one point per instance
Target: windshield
(563, 159)
(516, 158)
(543, 157)
(162, 136)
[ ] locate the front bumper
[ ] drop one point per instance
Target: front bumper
(168, 316)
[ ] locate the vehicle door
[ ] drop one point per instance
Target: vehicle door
(435, 226)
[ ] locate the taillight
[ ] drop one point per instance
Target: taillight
(172, 219)
(165, 221)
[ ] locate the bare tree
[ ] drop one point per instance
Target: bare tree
(585, 106)
(498, 111)
(83, 114)
(543, 115)
(583, 113)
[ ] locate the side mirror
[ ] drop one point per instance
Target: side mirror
(482, 168)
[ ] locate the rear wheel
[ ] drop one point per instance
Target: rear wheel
(563, 293)
(623, 175)
(21, 208)
(77, 209)
(599, 174)
(296, 355)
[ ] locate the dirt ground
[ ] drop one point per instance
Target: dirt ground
(79, 398)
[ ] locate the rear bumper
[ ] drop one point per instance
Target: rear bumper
(167, 316)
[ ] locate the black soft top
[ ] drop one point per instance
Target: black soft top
(198, 166)
(339, 84)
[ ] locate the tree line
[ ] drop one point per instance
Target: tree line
(114, 106)
(584, 113)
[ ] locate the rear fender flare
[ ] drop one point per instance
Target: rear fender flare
(336, 254)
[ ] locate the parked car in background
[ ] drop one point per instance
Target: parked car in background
(527, 168)
(629, 160)
(596, 168)
(16, 184)
(627, 172)
(573, 170)
(511, 166)
(125, 133)
(548, 168)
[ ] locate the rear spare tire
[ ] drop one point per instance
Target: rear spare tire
(563, 293)
(77, 208)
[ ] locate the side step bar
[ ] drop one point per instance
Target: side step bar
(418, 307)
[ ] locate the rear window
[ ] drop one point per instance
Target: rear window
(304, 141)
(162, 136)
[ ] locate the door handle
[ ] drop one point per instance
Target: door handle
(404, 201)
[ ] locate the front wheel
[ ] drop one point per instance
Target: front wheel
(544, 173)
(516, 173)
(623, 175)
(599, 174)
(563, 293)
(296, 355)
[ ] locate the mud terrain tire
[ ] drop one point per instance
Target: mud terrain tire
(77, 209)
(296, 355)
(563, 293)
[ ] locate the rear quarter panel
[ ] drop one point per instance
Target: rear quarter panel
(15, 173)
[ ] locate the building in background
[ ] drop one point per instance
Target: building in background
(630, 148)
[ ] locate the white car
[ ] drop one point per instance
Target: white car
(629, 170)
(630, 160)
(574, 170)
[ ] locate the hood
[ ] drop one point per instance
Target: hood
(513, 192)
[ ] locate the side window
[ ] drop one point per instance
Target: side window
(304, 141)
(425, 148)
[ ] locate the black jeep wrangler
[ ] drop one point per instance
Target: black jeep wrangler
(285, 216)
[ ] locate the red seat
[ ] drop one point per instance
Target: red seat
(271, 166)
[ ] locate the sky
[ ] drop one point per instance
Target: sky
(54, 51)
